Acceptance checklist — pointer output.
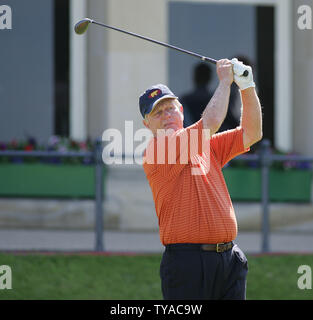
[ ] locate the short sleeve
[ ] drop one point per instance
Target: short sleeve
(177, 150)
(227, 145)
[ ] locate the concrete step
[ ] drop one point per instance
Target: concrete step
(79, 214)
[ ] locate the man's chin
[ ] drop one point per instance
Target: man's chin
(171, 126)
(167, 130)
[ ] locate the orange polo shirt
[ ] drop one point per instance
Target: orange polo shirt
(193, 206)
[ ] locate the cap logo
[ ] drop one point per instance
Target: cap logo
(154, 93)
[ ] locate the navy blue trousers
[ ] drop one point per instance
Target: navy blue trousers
(188, 272)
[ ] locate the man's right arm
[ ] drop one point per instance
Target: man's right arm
(216, 110)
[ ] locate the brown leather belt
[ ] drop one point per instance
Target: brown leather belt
(218, 247)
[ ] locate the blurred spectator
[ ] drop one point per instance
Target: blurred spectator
(195, 102)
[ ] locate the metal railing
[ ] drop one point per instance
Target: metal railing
(96, 155)
(264, 157)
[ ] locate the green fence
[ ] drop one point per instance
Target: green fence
(244, 184)
(47, 180)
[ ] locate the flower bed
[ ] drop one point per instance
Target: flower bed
(55, 143)
(48, 177)
(288, 180)
(73, 177)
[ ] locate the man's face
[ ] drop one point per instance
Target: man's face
(167, 114)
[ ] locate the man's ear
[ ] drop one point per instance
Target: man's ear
(181, 110)
(145, 123)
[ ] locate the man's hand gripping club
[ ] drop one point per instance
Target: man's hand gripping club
(242, 81)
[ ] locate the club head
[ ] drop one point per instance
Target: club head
(82, 25)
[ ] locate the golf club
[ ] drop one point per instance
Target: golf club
(82, 26)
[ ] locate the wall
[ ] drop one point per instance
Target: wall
(27, 79)
(219, 31)
(121, 67)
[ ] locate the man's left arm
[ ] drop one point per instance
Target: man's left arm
(251, 113)
(251, 117)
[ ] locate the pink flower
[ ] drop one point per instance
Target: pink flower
(14, 144)
(83, 145)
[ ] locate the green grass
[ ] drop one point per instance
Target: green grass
(134, 277)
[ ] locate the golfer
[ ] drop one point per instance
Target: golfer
(197, 222)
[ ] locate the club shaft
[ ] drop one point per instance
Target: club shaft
(203, 58)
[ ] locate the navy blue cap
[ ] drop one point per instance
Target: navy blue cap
(152, 96)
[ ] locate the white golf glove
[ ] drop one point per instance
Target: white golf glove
(239, 68)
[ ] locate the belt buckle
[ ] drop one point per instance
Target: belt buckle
(218, 249)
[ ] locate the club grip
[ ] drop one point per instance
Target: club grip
(211, 60)
(246, 73)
